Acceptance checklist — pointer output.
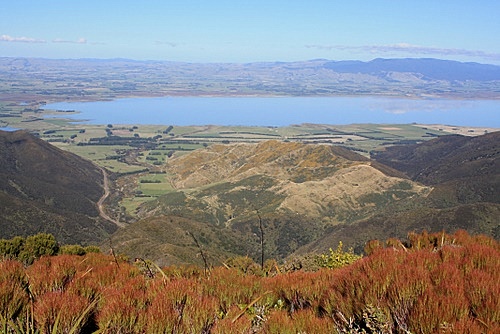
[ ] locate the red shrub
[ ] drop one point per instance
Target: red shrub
(14, 296)
(234, 322)
(59, 309)
(231, 286)
(441, 283)
(51, 273)
(121, 306)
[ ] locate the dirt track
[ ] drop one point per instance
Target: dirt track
(100, 203)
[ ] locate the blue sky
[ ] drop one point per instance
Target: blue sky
(248, 31)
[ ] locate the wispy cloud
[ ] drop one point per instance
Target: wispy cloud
(409, 48)
(7, 38)
(78, 41)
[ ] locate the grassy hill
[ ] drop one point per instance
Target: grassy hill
(464, 173)
(296, 191)
(462, 169)
(45, 189)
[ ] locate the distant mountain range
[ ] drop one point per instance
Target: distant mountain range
(427, 68)
(36, 79)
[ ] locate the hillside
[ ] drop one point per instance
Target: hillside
(295, 190)
(464, 173)
(302, 197)
(466, 168)
(45, 189)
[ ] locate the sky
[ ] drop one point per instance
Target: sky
(251, 31)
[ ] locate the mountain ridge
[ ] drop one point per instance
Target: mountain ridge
(48, 190)
(430, 68)
(295, 190)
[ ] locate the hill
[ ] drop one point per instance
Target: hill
(225, 198)
(468, 167)
(45, 189)
(295, 191)
(464, 173)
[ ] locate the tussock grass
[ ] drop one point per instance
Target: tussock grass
(435, 282)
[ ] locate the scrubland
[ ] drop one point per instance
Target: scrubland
(430, 283)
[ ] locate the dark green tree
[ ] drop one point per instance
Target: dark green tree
(10, 248)
(38, 245)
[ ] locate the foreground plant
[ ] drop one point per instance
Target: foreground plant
(434, 283)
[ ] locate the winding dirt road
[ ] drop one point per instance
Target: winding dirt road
(100, 203)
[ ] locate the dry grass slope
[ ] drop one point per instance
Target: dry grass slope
(298, 190)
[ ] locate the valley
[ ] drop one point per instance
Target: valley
(173, 189)
(305, 196)
(249, 167)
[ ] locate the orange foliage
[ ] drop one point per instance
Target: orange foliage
(435, 283)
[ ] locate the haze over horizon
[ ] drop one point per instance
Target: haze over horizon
(228, 31)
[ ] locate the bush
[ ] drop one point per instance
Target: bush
(244, 264)
(444, 283)
(72, 250)
(38, 245)
(92, 249)
(12, 247)
(338, 258)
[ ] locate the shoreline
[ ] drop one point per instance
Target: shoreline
(41, 100)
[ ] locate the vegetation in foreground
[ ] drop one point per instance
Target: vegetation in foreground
(431, 283)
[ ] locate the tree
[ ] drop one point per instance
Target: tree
(12, 247)
(72, 250)
(38, 245)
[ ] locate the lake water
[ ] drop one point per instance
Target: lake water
(283, 111)
(8, 128)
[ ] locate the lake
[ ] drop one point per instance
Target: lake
(8, 128)
(283, 111)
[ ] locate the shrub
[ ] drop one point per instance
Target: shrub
(92, 249)
(444, 283)
(244, 264)
(10, 248)
(338, 258)
(37, 245)
(72, 250)
(14, 297)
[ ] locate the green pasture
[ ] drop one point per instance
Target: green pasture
(179, 146)
(131, 204)
(154, 184)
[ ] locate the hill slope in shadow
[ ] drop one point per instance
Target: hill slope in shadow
(45, 189)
